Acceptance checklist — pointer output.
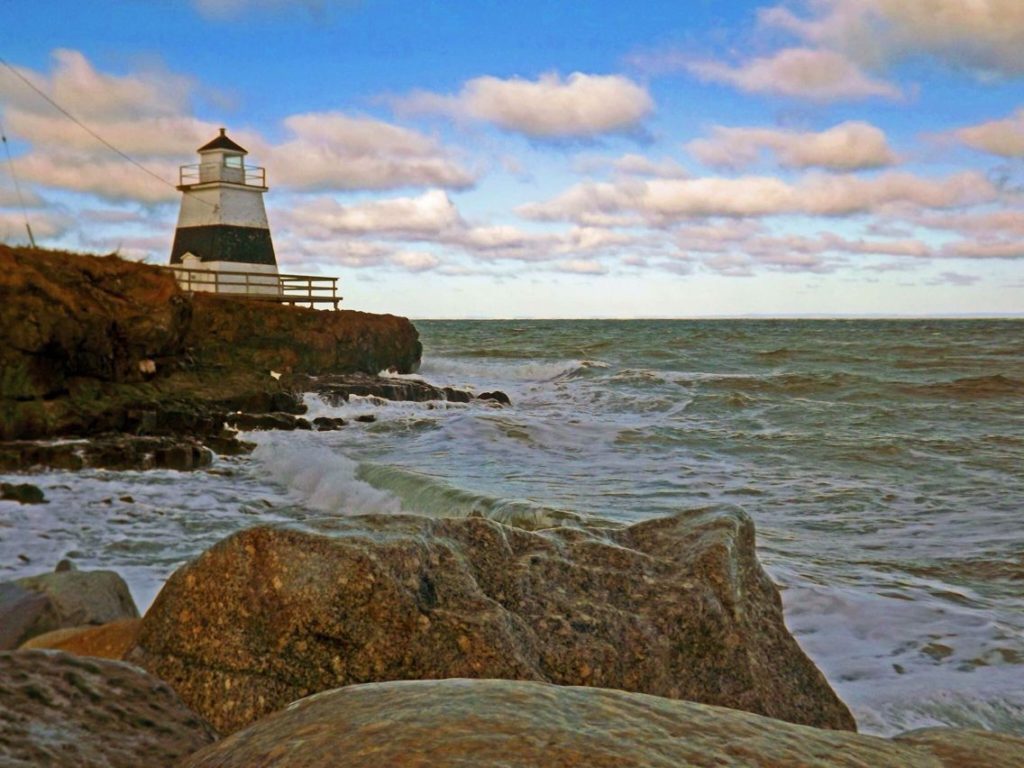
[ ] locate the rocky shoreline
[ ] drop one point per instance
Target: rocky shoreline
(385, 640)
(114, 353)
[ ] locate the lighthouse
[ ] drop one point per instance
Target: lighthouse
(222, 241)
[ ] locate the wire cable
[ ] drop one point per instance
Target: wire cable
(17, 187)
(93, 133)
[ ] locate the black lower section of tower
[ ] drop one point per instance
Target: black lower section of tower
(223, 242)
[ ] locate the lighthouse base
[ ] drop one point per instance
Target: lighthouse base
(249, 246)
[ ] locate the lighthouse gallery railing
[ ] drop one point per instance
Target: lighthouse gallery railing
(202, 173)
(260, 286)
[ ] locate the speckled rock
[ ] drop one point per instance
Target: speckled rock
(480, 723)
(109, 641)
(61, 711)
(676, 607)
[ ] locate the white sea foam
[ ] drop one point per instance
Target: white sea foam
(323, 479)
(491, 372)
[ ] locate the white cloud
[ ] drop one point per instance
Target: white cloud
(1004, 223)
(336, 151)
(550, 107)
(143, 114)
(415, 261)
(223, 9)
(985, 35)
(984, 249)
(638, 165)
(582, 267)
(998, 137)
(844, 147)
(147, 116)
(91, 95)
(664, 201)
(427, 215)
(816, 74)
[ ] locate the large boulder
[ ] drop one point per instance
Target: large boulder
(61, 711)
(677, 607)
(480, 723)
(34, 605)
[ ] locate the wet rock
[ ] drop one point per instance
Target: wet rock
(496, 396)
(117, 452)
(68, 599)
(226, 443)
(366, 418)
(182, 456)
(262, 421)
(108, 641)
(61, 711)
(23, 493)
(336, 390)
(482, 723)
(677, 607)
(457, 395)
(327, 424)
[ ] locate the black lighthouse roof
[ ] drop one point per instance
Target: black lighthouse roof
(222, 142)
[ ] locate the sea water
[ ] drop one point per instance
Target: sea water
(882, 462)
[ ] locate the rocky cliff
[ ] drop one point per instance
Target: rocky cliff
(89, 341)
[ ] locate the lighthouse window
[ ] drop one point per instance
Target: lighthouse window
(233, 161)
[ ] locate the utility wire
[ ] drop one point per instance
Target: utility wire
(93, 133)
(17, 187)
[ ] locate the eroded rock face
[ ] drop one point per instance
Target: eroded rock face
(65, 315)
(61, 711)
(677, 607)
(480, 723)
(244, 335)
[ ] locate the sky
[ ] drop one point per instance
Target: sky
(541, 159)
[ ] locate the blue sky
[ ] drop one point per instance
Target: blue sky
(538, 159)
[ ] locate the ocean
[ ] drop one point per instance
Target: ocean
(882, 462)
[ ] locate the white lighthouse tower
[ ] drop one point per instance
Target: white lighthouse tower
(222, 242)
